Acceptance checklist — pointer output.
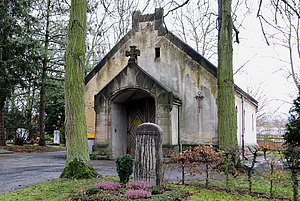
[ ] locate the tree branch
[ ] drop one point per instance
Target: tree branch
(176, 8)
(291, 7)
(244, 65)
(236, 34)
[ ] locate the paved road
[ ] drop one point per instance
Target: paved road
(20, 170)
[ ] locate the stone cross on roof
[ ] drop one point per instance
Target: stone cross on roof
(132, 54)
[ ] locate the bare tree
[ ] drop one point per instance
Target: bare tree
(107, 23)
(280, 26)
(195, 24)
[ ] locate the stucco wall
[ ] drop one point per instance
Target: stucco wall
(185, 78)
(249, 120)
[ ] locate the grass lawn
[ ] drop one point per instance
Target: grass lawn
(58, 189)
(62, 189)
(260, 184)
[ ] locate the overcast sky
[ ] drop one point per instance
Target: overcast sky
(266, 67)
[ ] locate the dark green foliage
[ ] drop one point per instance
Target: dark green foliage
(155, 190)
(292, 159)
(14, 118)
(292, 135)
(55, 107)
(62, 136)
(18, 55)
(78, 169)
(92, 190)
(19, 51)
(124, 167)
(292, 142)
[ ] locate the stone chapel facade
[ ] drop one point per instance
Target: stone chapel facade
(165, 82)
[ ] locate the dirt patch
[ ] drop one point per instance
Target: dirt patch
(31, 148)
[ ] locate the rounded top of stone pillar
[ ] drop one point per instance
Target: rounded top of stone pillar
(149, 128)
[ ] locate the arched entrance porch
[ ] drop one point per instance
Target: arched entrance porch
(129, 108)
(131, 94)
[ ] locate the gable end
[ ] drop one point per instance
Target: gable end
(108, 56)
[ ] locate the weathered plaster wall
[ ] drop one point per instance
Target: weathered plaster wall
(249, 120)
(250, 124)
(175, 70)
(106, 74)
(185, 78)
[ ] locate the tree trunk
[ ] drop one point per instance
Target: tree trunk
(29, 110)
(227, 126)
(207, 171)
(295, 183)
(2, 133)
(42, 141)
(78, 160)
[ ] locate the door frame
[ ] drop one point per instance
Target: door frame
(122, 98)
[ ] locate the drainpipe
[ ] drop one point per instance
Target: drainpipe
(243, 127)
(179, 141)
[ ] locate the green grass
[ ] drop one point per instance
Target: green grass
(260, 185)
(62, 189)
(58, 189)
(207, 195)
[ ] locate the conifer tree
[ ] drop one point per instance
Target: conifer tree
(18, 50)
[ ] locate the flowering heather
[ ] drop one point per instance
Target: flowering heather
(108, 185)
(138, 185)
(134, 194)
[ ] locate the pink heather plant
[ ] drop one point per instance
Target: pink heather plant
(134, 194)
(108, 185)
(138, 185)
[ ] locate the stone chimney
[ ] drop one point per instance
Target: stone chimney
(156, 17)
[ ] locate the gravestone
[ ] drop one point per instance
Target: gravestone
(56, 138)
(148, 165)
(22, 133)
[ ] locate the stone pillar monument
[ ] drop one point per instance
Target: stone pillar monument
(56, 134)
(148, 164)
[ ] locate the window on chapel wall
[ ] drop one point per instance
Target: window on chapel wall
(252, 122)
(157, 52)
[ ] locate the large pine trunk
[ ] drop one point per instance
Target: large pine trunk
(227, 127)
(78, 160)
(2, 133)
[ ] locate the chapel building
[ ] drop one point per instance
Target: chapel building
(150, 75)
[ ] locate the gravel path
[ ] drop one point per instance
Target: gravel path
(20, 170)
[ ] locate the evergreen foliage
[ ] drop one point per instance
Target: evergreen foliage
(292, 135)
(124, 167)
(19, 51)
(14, 119)
(55, 107)
(292, 143)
